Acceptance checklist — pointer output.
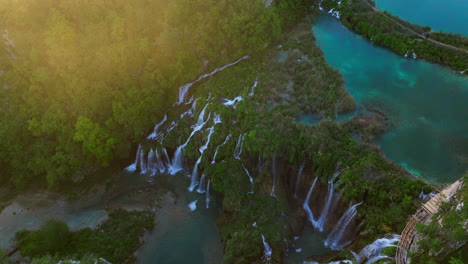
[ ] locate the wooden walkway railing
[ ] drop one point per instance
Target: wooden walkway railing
(425, 212)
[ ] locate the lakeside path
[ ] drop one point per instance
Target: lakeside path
(416, 33)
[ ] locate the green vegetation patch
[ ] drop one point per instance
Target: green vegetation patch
(115, 240)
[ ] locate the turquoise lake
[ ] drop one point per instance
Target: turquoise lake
(447, 15)
(426, 104)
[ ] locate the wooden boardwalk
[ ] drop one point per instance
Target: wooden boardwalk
(425, 212)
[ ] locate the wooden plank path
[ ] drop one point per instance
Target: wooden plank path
(425, 212)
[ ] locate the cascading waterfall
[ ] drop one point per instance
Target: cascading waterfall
(143, 167)
(171, 127)
(176, 164)
(183, 90)
(250, 178)
(132, 167)
(207, 197)
(155, 133)
(191, 111)
(373, 252)
(232, 102)
(305, 205)
(267, 252)
(217, 119)
(298, 179)
(194, 178)
(238, 149)
(228, 137)
(326, 208)
(252, 89)
(160, 164)
(202, 187)
(335, 238)
(152, 163)
(274, 173)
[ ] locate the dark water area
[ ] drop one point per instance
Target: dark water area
(182, 235)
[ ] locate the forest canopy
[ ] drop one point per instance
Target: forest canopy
(83, 80)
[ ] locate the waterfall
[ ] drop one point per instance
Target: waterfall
(217, 119)
(143, 166)
(298, 178)
(267, 252)
(334, 239)
(202, 187)
(194, 177)
(161, 164)
(273, 171)
(250, 178)
(326, 208)
(132, 167)
(373, 252)
(252, 89)
(176, 164)
(228, 137)
(152, 163)
(183, 90)
(171, 127)
(201, 116)
(156, 127)
(191, 111)
(238, 149)
(305, 205)
(207, 197)
(232, 102)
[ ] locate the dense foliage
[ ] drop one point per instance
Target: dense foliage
(84, 81)
(446, 234)
(115, 240)
(390, 32)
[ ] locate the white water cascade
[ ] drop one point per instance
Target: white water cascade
(191, 111)
(274, 173)
(132, 167)
(202, 187)
(305, 205)
(152, 163)
(252, 89)
(143, 167)
(335, 238)
(194, 177)
(228, 137)
(250, 178)
(155, 133)
(232, 102)
(298, 178)
(238, 149)
(207, 197)
(183, 90)
(373, 252)
(326, 208)
(267, 252)
(176, 164)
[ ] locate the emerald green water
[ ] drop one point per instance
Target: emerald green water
(426, 103)
(447, 15)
